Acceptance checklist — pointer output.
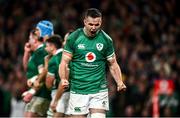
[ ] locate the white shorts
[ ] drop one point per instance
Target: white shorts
(79, 104)
(63, 103)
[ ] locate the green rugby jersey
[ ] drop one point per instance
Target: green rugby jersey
(36, 61)
(88, 65)
(53, 67)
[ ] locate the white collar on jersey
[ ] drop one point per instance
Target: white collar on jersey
(41, 45)
(58, 51)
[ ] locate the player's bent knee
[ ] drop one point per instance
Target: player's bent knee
(98, 115)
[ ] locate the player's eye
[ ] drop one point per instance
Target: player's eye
(90, 24)
(96, 24)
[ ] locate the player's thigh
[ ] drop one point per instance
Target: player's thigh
(78, 104)
(41, 106)
(99, 101)
(29, 106)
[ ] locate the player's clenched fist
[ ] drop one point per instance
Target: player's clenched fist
(121, 87)
(27, 47)
(64, 83)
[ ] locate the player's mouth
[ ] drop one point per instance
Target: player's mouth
(93, 32)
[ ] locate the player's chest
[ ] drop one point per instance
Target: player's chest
(90, 45)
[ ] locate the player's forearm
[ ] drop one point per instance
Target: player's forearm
(25, 59)
(42, 75)
(59, 92)
(116, 72)
(63, 71)
(67, 72)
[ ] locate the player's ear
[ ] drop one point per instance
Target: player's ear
(85, 21)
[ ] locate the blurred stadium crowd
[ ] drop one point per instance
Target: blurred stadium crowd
(146, 38)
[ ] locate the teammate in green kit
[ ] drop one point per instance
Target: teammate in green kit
(33, 62)
(54, 47)
(89, 50)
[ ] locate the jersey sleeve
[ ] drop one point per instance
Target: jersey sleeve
(70, 43)
(51, 68)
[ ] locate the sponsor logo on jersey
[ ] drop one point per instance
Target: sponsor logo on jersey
(99, 46)
(90, 57)
(81, 46)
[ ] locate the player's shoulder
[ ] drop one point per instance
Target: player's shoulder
(52, 60)
(74, 36)
(76, 33)
(40, 52)
(105, 35)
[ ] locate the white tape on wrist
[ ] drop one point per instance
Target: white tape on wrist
(32, 91)
(33, 79)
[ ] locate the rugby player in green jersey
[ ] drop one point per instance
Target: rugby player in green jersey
(54, 46)
(33, 62)
(89, 50)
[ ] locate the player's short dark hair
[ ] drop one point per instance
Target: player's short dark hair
(92, 12)
(56, 40)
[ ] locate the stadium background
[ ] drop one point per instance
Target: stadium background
(146, 39)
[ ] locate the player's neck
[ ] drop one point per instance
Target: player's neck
(38, 45)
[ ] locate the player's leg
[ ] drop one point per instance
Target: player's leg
(99, 104)
(29, 109)
(38, 107)
(97, 113)
(41, 106)
(51, 112)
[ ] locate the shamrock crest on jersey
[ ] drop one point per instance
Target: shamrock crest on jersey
(90, 57)
(99, 46)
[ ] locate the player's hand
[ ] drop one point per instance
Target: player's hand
(121, 87)
(53, 106)
(64, 83)
(27, 47)
(36, 83)
(27, 98)
(46, 60)
(28, 95)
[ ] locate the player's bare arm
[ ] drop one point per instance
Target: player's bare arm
(43, 72)
(58, 95)
(66, 58)
(26, 55)
(116, 73)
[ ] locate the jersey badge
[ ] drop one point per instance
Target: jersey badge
(99, 46)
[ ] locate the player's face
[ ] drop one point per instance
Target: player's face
(49, 48)
(32, 40)
(92, 25)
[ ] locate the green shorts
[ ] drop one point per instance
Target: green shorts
(38, 105)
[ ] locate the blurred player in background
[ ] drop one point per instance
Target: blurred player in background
(89, 49)
(59, 102)
(33, 62)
